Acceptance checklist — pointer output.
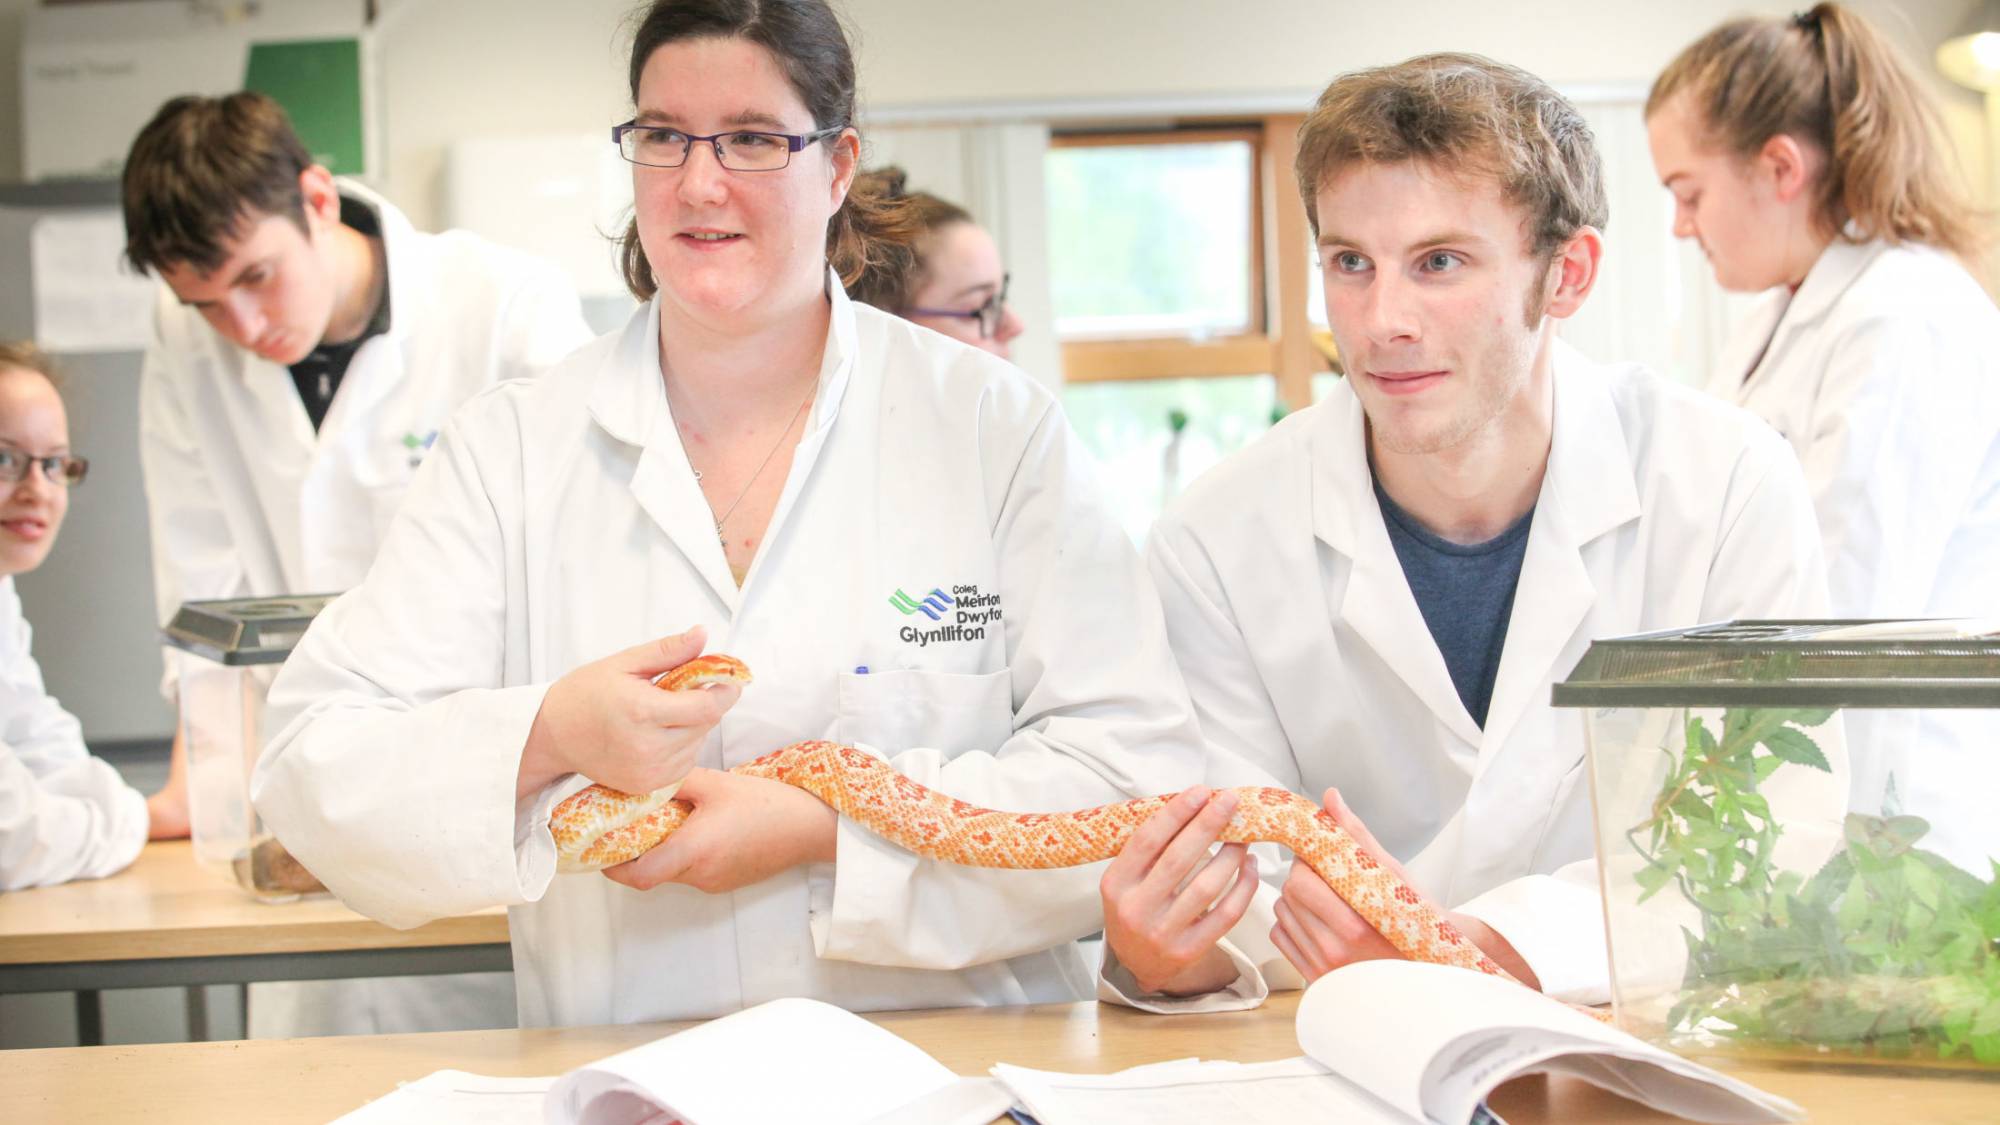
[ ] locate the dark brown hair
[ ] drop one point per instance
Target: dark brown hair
(891, 277)
(1462, 114)
(806, 39)
(199, 169)
(1828, 80)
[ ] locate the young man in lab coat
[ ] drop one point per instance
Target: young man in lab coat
(1371, 603)
(308, 345)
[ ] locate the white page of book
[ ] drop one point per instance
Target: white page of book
(1433, 1041)
(778, 1063)
(1193, 1092)
(453, 1097)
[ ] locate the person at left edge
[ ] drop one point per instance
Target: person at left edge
(64, 814)
(925, 513)
(308, 344)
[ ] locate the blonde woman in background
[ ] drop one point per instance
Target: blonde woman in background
(1804, 158)
(63, 814)
(939, 268)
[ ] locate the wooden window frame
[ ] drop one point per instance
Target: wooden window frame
(1279, 342)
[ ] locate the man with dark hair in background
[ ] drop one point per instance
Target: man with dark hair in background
(307, 346)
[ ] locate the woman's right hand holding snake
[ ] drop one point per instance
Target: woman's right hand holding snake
(607, 721)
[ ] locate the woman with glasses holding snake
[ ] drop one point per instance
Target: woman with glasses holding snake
(63, 814)
(896, 532)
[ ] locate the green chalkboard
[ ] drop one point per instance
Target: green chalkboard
(319, 84)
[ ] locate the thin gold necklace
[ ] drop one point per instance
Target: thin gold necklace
(782, 434)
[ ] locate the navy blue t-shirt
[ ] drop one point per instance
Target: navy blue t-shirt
(1466, 593)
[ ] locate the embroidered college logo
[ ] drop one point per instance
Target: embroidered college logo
(934, 606)
(962, 615)
(418, 444)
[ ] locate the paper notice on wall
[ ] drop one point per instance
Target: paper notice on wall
(86, 298)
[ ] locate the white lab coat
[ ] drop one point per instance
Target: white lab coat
(246, 500)
(63, 814)
(559, 521)
(1311, 666)
(1883, 371)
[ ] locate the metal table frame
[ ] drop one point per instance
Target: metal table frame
(87, 979)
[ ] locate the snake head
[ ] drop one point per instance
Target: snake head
(702, 671)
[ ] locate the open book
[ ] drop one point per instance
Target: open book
(778, 1063)
(1392, 1042)
(1400, 1042)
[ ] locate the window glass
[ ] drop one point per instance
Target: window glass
(1150, 240)
(1153, 437)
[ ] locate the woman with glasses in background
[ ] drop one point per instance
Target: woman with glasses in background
(63, 814)
(897, 532)
(942, 270)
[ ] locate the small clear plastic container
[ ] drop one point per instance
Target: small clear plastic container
(1758, 904)
(233, 649)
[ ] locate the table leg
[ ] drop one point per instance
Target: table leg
(89, 1018)
(197, 1013)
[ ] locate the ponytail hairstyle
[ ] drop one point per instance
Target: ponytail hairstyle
(806, 40)
(1828, 79)
(894, 269)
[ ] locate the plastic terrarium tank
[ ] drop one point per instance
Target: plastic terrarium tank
(1797, 837)
(231, 651)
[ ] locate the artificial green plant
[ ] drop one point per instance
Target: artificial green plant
(1888, 948)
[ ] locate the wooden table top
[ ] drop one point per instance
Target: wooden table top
(168, 905)
(316, 1080)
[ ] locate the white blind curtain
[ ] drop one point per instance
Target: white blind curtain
(1656, 300)
(995, 172)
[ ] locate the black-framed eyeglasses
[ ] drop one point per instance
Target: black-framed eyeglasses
(61, 469)
(987, 314)
(741, 150)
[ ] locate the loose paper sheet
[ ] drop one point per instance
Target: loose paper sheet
(85, 299)
(778, 1063)
(453, 1097)
(1196, 1092)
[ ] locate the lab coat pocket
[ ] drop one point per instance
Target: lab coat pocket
(898, 710)
(1567, 836)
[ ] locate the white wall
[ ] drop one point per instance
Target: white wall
(452, 68)
(538, 67)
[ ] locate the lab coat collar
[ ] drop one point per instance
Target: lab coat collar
(413, 288)
(629, 390)
(412, 281)
(1827, 281)
(1377, 604)
(628, 401)
(1587, 491)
